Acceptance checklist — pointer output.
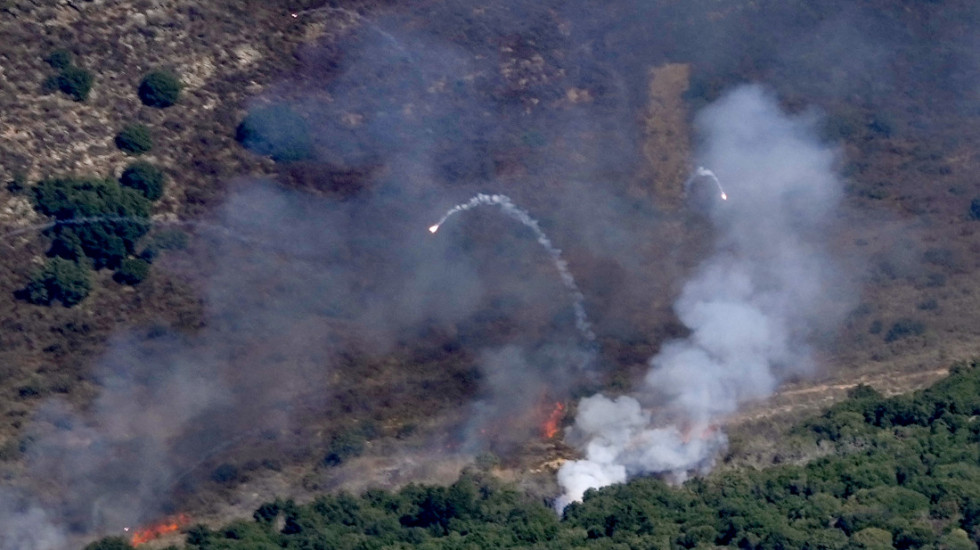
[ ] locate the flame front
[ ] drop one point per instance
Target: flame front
(153, 532)
(550, 427)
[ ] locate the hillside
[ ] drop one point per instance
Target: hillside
(297, 330)
(893, 473)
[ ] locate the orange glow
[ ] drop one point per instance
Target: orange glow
(689, 432)
(153, 532)
(550, 427)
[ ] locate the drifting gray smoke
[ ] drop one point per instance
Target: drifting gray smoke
(751, 307)
(25, 526)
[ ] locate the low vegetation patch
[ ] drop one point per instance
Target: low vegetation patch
(134, 139)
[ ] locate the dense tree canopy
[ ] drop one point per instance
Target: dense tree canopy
(95, 218)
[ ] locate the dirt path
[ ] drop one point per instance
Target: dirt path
(797, 399)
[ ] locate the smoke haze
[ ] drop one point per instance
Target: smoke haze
(752, 307)
(325, 305)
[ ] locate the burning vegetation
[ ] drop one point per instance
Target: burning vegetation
(552, 424)
(154, 531)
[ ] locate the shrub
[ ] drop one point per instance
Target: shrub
(75, 82)
(975, 209)
(59, 59)
(225, 473)
(344, 445)
(134, 139)
(61, 280)
(132, 271)
(159, 89)
(18, 182)
(145, 178)
(903, 328)
(276, 131)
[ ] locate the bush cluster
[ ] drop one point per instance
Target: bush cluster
(97, 223)
(72, 80)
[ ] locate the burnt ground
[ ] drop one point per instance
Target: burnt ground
(910, 155)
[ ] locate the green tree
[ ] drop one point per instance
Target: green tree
(956, 539)
(872, 538)
(145, 178)
(60, 280)
(59, 59)
(134, 139)
(76, 82)
(132, 271)
(159, 89)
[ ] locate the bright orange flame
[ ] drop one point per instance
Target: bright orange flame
(550, 427)
(155, 531)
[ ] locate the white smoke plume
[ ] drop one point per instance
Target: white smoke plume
(752, 307)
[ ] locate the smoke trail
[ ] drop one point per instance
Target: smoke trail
(360, 18)
(702, 171)
(505, 204)
(155, 221)
(752, 307)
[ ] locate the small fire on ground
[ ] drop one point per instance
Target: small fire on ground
(552, 424)
(159, 529)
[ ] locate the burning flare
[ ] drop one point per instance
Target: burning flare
(704, 172)
(433, 228)
(157, 530)
(550, 427)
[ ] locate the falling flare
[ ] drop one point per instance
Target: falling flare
(702, 171)
(504, 202)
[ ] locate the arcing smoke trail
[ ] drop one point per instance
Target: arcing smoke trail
(702, 171)
(331, 9)
(505, 204)
(751, 307)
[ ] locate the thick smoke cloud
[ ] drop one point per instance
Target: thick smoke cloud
(752, 307)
